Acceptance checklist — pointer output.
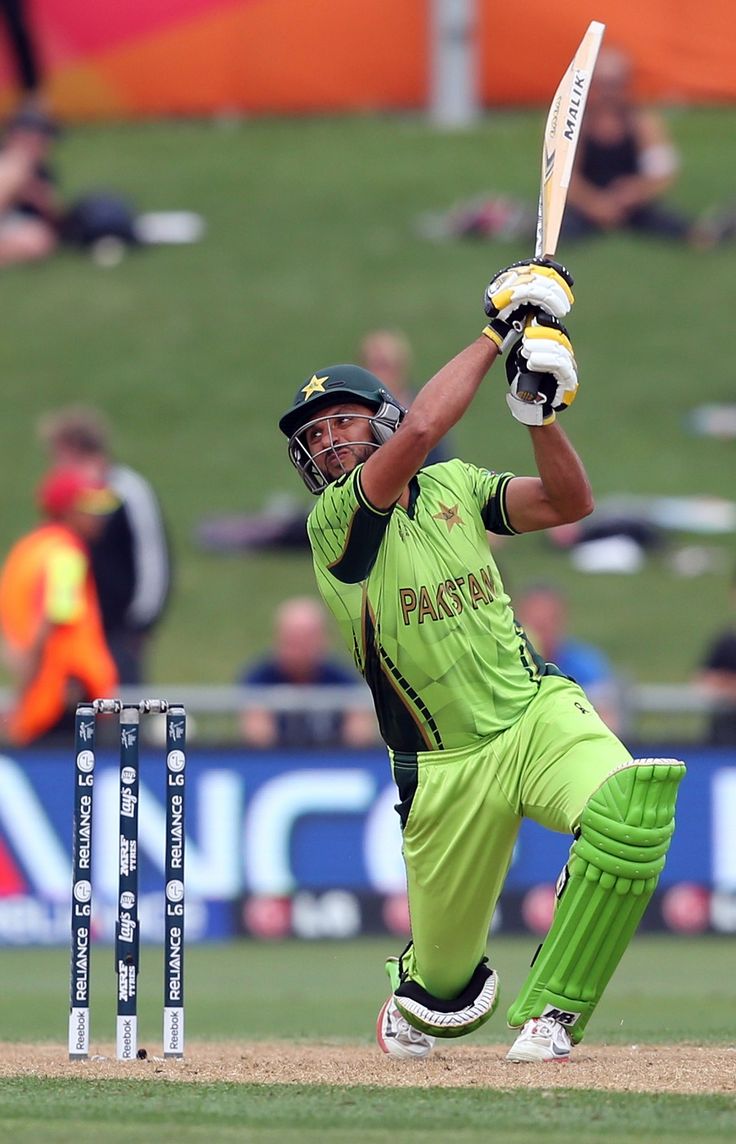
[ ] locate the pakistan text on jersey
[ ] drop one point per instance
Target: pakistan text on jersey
(448, 599)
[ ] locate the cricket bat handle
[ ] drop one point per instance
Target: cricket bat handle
(527, 385)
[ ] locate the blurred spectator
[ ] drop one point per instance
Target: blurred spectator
(542, 612)
(30, 211)
(54, 645)
(486, 216)
(387, 354)
(34, 219)
(300, 657)
(718, 676)
(625, 163)
(131, 556)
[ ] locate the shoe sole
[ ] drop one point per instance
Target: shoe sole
(534, 1060)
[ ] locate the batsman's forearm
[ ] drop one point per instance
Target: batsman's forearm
(562, 473)
(437, 407)
(443, 400)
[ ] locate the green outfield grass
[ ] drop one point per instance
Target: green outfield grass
(332, 990)
(666, 990)
(194, 351)
(63, 1112)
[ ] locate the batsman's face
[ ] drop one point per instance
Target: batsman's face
(340, 439)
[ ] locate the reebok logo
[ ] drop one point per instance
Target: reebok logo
(127, 1039)
(564, 1016)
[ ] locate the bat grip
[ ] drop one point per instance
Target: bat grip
(527, 387)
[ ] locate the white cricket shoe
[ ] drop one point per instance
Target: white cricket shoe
(541, 1039)
(397, 1037)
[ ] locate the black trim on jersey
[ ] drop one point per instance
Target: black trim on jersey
(360, 494)
(357, 654)
(495, 514)
(391, 696)
(527, 653)
(365, 532)
(406, 776)
(414, 491)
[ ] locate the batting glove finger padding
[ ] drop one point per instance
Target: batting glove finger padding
(550, 351)
(541, 371)
(542, 284)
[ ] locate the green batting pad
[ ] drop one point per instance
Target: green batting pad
(614, 866)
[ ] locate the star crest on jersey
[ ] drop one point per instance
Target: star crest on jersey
(314, 385)
(450, 516)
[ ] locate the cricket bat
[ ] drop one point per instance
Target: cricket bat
(561, 135)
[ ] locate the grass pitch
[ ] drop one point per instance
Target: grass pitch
(118, 1112)
(194, 352)
(287, 1010)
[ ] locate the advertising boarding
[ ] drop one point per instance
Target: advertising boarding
(309, 845)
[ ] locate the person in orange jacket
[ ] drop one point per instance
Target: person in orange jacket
(50, 621)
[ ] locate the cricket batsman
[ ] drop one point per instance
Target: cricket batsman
(480, 731)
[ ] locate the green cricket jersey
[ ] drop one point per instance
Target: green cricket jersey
(421, 605)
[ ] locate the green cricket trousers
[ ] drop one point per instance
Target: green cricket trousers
(461, 812)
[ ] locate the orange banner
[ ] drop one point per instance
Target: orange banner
(198, 57)
(681, 50)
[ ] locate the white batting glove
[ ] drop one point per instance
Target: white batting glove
(542, 372)
(529, 284)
